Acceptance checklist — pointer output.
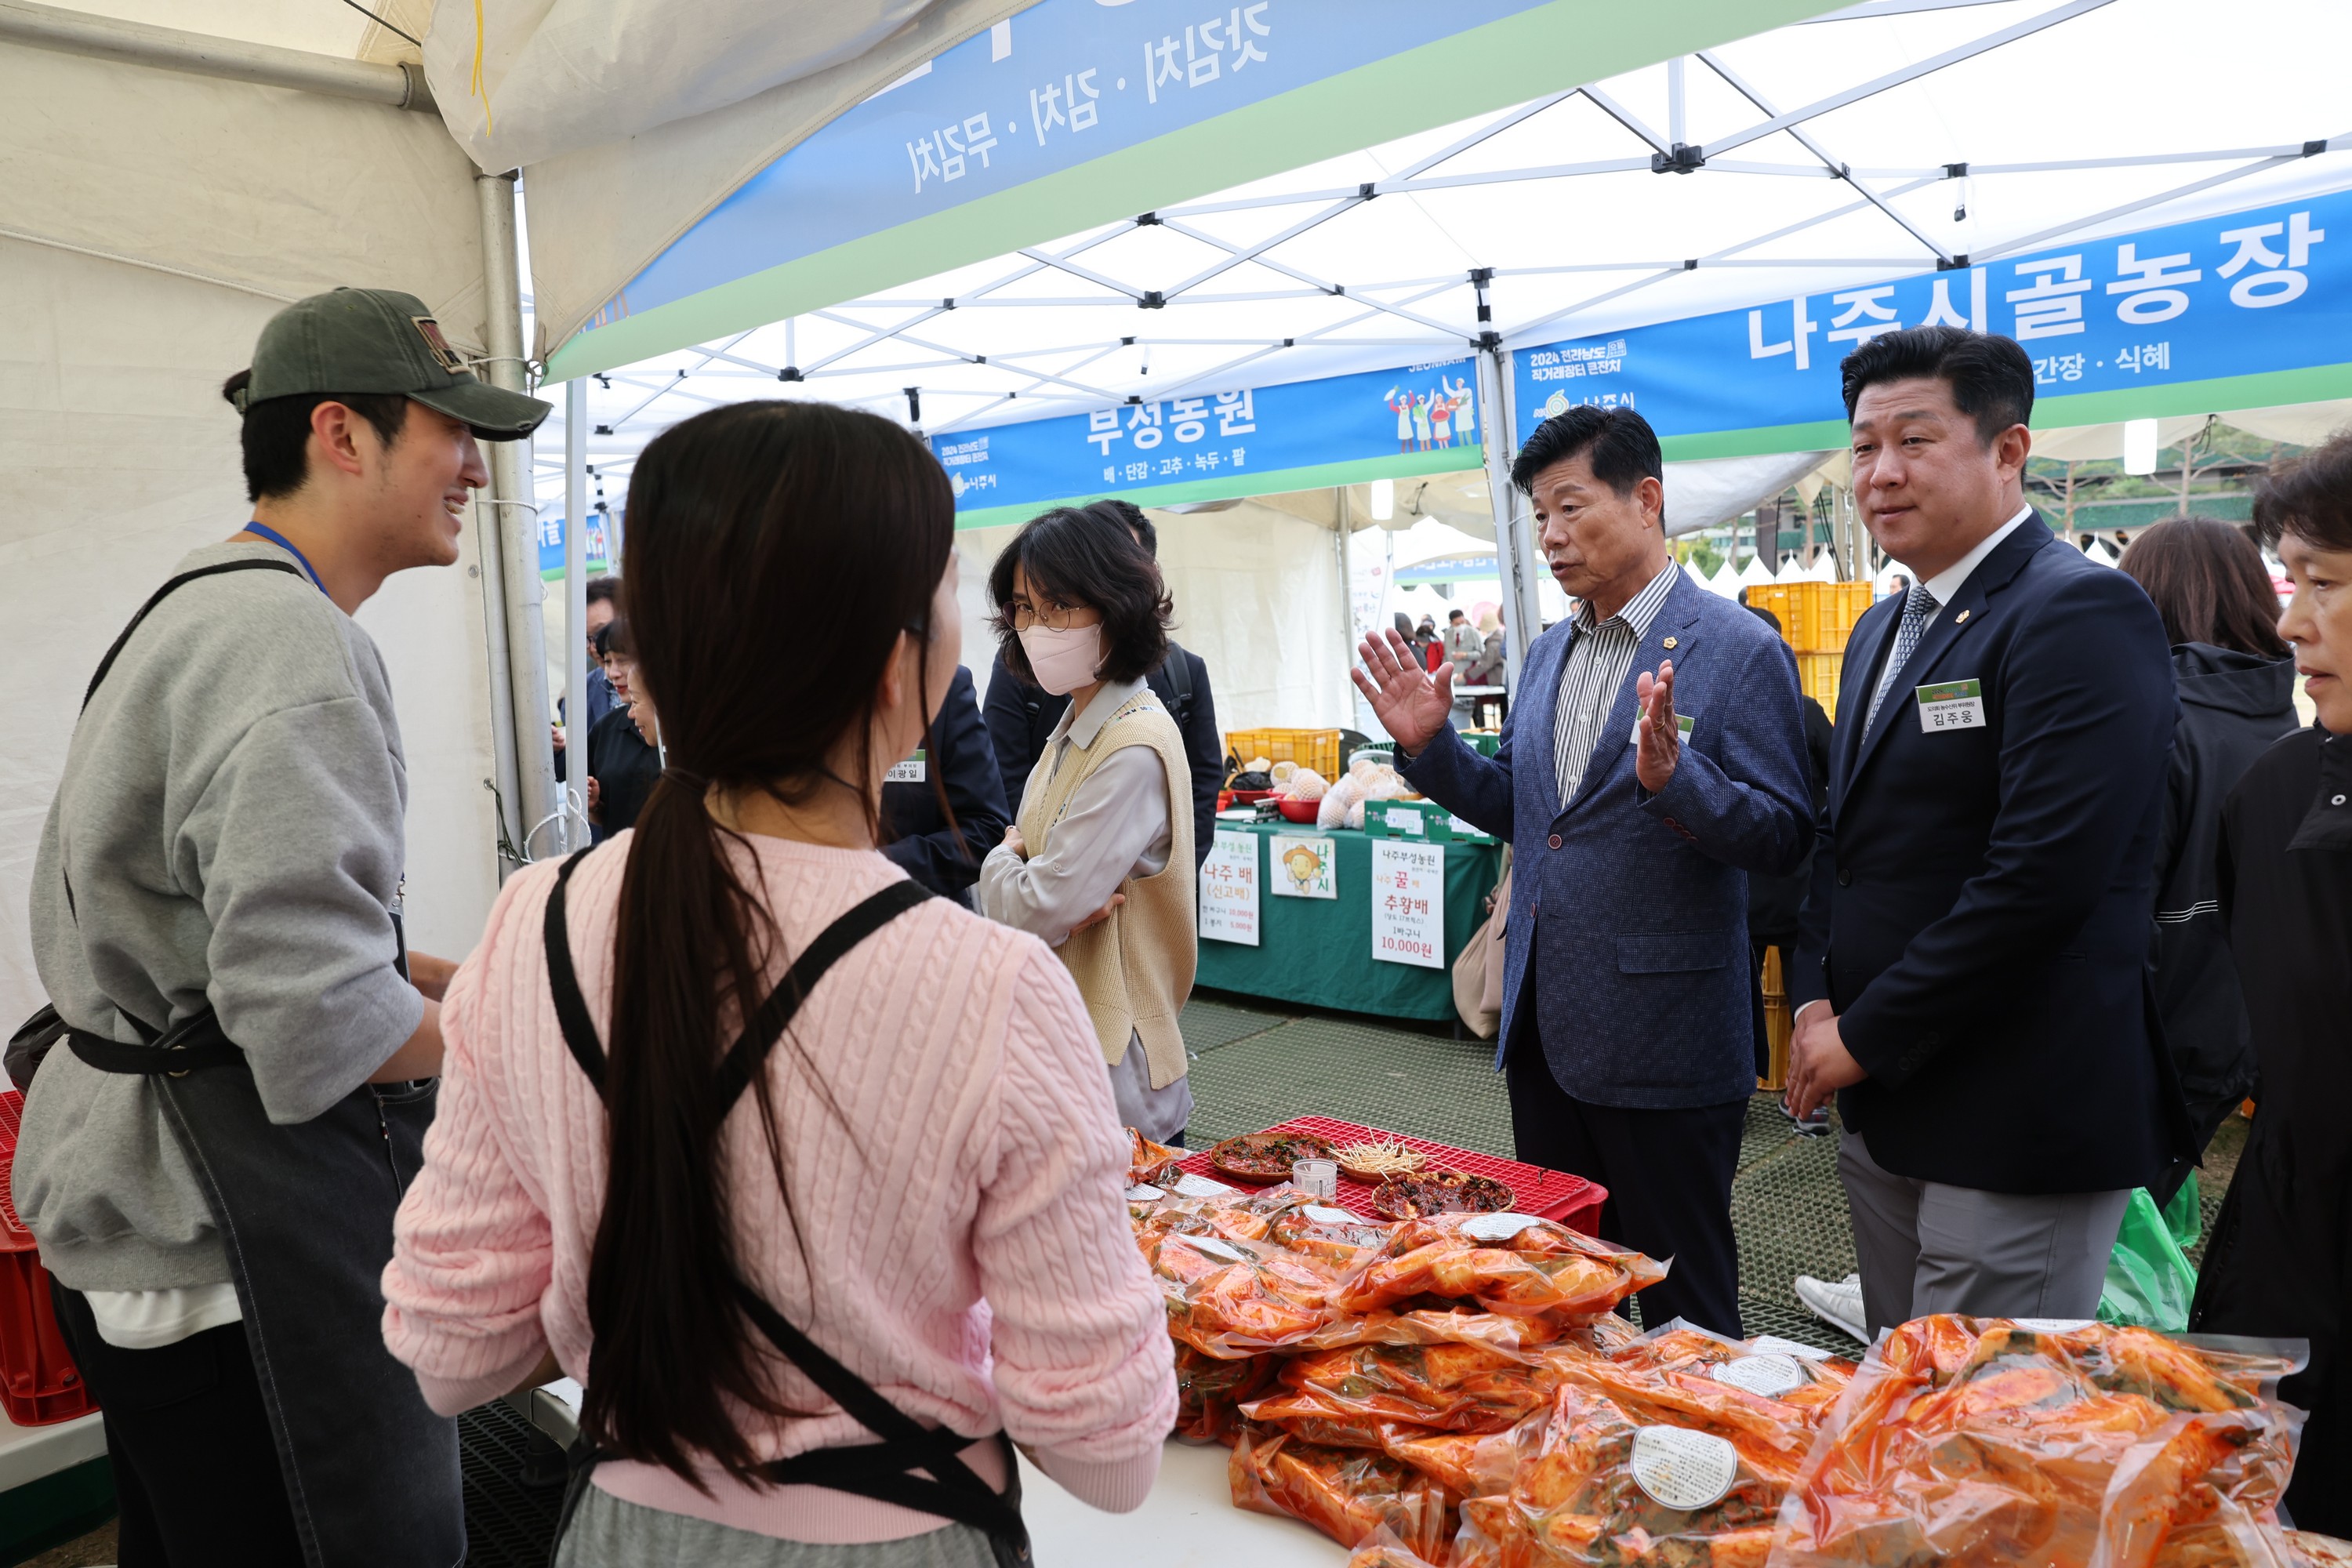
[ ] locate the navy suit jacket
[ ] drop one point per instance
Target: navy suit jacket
(946, 859)
(1633, 907)
(1981, 899)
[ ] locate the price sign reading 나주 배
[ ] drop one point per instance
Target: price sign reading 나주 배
(1408, 903)
(1229, 890)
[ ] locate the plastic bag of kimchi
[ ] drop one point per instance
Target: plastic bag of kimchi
(1446, 1387)
(1348, 1494)
(1777, 1368)
(1505, 1265)
(1209, 1393)
(1984, 1440)
(1594, 1487)
(1772, 1437)
(1151, 1165)
(1230, 1298)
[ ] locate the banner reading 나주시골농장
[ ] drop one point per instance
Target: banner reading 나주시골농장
(2259, 303)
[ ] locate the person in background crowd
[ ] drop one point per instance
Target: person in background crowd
(1897, 587)
(2236, 679)
(1488, 668)
(623, 752)
(903, 1179)
(1463, 645)
(1020, 716)
(1626, 1037)
(212, 1162)
(2123, 541)
(2280, 1260)
(1971, 973)
(1427, 646)
(603, 603)
(943, 808)
(1773, 902)
(1099, 860)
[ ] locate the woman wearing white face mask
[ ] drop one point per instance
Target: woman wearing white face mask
(1099, 860)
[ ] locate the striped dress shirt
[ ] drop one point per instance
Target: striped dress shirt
(1599, 659)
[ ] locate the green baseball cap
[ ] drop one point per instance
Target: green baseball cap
(381, 341)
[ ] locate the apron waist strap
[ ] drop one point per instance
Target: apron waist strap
(191, 1044)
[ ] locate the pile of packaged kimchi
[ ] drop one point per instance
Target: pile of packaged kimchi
(1458, 1392)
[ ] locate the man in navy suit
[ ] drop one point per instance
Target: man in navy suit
(1971, 971)
(1626, 1031)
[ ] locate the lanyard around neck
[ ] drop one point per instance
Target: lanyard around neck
(287, 544)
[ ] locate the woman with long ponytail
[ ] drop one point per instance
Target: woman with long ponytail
(778, 1156)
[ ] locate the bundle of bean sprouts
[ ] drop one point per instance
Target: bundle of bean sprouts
(1388, 1157)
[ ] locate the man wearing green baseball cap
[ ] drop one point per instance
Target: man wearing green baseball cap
(212, 1165)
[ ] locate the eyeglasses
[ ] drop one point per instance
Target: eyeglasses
(1052, 617)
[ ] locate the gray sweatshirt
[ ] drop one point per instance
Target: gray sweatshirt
(230, 823)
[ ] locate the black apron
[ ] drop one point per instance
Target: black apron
(304, 1212)
(884, 1471)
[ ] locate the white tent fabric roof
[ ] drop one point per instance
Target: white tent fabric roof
(1827, 146)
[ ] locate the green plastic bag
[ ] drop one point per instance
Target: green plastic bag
(2150, 1281)
(2185, 1214)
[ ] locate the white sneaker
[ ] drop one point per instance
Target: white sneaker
(1838, 1304)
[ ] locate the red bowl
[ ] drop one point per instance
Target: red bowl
(1251, 796)
(1301, 810)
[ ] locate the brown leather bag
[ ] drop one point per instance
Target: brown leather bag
(1478, 971)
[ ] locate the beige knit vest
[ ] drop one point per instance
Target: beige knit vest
(1135, 969)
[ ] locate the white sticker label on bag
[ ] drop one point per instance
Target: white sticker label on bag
(1773, 1344)
(1144, 1192)
(1214, 1248)
(1951, 705)
(1192, 1186)
(1329, 1215)
(1768, 1375)
(1682, 1468)
(1497, 1227)
(2052, 1325)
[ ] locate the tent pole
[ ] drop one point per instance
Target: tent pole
(1344, 513)
(489, 562)
(575, 608)
(69, 31)
(1520, 563)
(513, 496)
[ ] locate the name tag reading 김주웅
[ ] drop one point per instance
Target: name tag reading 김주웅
(1951, 705)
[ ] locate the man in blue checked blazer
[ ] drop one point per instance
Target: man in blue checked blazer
(1653, 755)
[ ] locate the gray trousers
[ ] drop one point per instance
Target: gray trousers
(606, 1533)
(1925, 1247)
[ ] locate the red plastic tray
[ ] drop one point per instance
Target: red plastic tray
(1548, 1195)
(38, 1380)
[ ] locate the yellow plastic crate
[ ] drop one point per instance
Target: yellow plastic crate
(1317, 749)
(1817, 675)
(1815, 617)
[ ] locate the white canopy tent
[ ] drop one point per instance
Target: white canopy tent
(1883, 139)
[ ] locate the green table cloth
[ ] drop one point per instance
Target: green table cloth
(1318, 952)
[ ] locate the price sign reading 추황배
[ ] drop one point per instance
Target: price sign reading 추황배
(1408, 903)
(1229, 890)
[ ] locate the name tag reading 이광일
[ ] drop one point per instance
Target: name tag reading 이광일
(1951, 705)
(914, 770)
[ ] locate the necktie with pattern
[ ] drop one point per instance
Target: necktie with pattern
(1919, 609)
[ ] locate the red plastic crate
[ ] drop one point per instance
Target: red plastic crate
(38, 1380)
(1547, 1194)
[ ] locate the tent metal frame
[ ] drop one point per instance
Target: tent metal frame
(1051, 380)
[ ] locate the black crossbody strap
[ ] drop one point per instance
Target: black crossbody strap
(571, 1007)
(832, 944)
(159, 595)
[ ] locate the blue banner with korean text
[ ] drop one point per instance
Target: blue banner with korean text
(1426, 414)
(2245, 294)
(597, 546)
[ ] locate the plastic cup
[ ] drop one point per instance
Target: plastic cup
(1320, 1177)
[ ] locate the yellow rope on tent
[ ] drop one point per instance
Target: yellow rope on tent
(475, 87)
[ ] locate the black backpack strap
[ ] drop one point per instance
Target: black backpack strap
(159, 595)
(571, 1007)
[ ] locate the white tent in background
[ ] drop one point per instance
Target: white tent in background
(2103, 553)
(1823, 568)
(1755, 574)
(1724, 582)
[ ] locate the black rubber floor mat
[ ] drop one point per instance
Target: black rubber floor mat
(507, 1523)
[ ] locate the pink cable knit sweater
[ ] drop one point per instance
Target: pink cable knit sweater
(977, 1215)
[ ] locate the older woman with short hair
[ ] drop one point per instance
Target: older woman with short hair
(1099, 860)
